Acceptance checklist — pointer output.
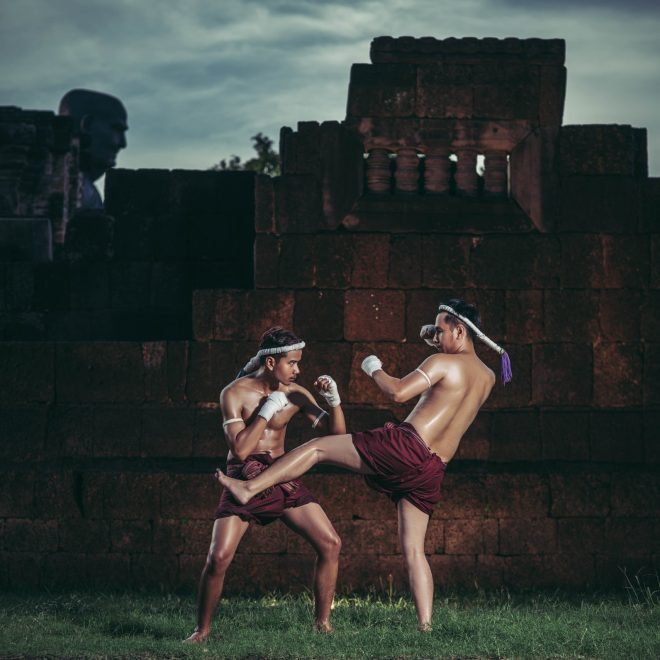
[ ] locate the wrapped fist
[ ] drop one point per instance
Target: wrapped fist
(427, 333)
(327, 388)
(274, 403)
(370, 364)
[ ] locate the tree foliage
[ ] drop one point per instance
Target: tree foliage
(267, 160)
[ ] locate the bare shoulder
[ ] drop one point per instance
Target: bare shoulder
(235, 388)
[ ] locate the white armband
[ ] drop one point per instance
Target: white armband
(232, 420)
(428, 380)
(315, 423)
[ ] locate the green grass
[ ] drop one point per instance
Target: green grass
(497, 625)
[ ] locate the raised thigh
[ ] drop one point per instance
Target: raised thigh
(312, 523)
(339, 450)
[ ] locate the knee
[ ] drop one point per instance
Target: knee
(330, 547)
(413, 553)
(218, 560)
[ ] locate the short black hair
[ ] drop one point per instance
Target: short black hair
(465, 309)
(276, 337)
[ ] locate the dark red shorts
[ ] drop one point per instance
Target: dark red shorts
(269, 505)
(405, 467)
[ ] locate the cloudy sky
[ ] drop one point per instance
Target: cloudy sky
(199, 77)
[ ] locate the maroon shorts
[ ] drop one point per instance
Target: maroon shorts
(405, 467)
(267, 506)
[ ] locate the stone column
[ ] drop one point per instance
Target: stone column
(495, 176)
(406, 176)
(437, 171)
(378, 171)
(466, 172)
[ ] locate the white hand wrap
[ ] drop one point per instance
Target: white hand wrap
(370, 364)
(331, 395)
(274, 403)
(427, 333)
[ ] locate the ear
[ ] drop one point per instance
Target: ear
(86, 124)
(460, 331)
(270, 363)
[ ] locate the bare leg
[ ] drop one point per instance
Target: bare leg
(227, 534)
(412, 530)
(311, 522)
(333, 449)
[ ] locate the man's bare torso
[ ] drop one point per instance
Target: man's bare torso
(445, 411)
(252, 397)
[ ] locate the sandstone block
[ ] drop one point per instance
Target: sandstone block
(515, 437)
(23, 535)
(582, 261)
(581, 535)
(70, 430)
(532, 536)
(23, 433)
(618, 374)
(374, 315)
(132, 496)
(167, 432)
(524, 316)
(266, 261)
(609, 428)
(117, 431)
(446, 261)
(580, 495)
(626, 262)
(370, 261)
(561, 374)
(189, 495)
(319, 314)
(130, 536)
(635, 495)
(405, 261)
(509, 495)
(619, 315)
(382, 90)
(564, 435)
(26, 372)
(298, 206)
(84, 535)
(652, 374)
(570, 315)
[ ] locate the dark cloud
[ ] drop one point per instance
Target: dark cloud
(199, 78)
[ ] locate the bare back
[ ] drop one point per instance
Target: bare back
(461, 385)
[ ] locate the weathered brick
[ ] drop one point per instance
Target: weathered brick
(573, 570)
(441, 94)
(463, 537)
(18, 287)
(515, 262)
(130, 284)
(626, 261)
(23, 433)
(84, 535)
(453, 570)
(446, 261)
(57, 494)
(515, 437)
(552, 92)
(524, 316)
(561, 374)
(130, 536)
(618, 571)
(319, 314)
(511, 495)
(373, 315)
(131, 496)
(26, 372)
(619, 315)
(580, 495)
(62, 570)
(655, 261)
(652, 436)
(155, 570)
(263, 204)
(650, 313)
(530, 536)
(208, 438)
(109, 570)
(52, 286)
(617, 436)
(22, 569)
(405, 261)
(581, 535)
(370, 261)
(266, 261)
(167, 432)
(651, 374)
(605, 203)
(90, 285)
(570, 315)
(582, 261)
(23, 535)
(334, 260)
(99, 372)
(70, 430)
(463, 496)
(189, 496)
(564, 435)
(213, 365)
(117, 431)
(630, 537)
(382, 90)
(297, 263)
(618, 374)
(636, 495)
(298, 205)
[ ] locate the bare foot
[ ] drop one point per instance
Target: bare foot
(323, 627)
(236, 487)
(198, 637)
(425, 628)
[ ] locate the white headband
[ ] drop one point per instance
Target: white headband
(253, 362)
(507, 375)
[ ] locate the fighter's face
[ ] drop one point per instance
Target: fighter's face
(286, 369)
(445, 336)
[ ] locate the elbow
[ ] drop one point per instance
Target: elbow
(240, 454)
(397, 397)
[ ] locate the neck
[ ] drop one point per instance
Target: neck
(267, 380)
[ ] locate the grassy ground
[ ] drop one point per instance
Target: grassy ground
(498, 625)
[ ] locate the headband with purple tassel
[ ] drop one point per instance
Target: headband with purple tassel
(507, 374)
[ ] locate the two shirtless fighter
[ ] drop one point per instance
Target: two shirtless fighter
(405, 462)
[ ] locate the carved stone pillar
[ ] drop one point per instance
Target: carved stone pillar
(437, 171)
(406, 176)
(466, 172)
(378, 171)
(495, 176)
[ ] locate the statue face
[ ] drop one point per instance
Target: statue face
(106, 138)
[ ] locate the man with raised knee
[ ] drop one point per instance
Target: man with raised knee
(407, 462)
(256, 408)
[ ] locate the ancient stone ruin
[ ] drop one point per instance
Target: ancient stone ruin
(452, 174)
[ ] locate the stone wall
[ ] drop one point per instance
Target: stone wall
(108, 447)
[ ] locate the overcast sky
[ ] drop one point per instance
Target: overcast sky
(199, 77)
